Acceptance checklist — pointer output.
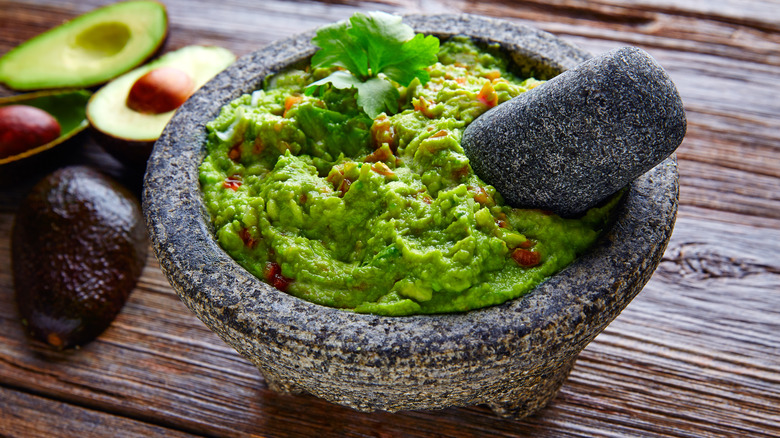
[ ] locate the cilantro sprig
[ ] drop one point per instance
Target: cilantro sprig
(374, 49)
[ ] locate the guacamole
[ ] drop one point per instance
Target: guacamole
(380, 216)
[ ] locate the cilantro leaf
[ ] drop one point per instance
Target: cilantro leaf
(339, 79)
(410, 61)
(339, 49)
(376, 96)
(376, 49)
(381, 35)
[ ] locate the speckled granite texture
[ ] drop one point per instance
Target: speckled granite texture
(574, 141)
(512, 357)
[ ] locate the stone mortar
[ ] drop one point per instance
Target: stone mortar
(513, 357)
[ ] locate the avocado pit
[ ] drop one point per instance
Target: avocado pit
(160, 90)
(24, 127)
(128, 114)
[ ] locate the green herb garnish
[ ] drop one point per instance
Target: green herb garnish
(375, 49)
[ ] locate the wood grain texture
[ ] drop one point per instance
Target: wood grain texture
(56, 419)
(696, 354)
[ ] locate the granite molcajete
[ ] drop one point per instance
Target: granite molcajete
(513, 357)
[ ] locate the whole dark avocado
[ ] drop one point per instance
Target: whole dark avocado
(78, 248)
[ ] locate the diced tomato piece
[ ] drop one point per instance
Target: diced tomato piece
(481, 196)
(235, 152)
(344, 186)
(460, 172)
(526, 258)
(259, 145)
(383, 132)
(232, 182)
(273, 274)
(488, 95)
(423, 106)
(382, 169)
(291, 101)
(246, 236)
(527, 244)
(492, 75)
(381, 154)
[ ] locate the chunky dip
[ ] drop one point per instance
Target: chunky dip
(380, 215)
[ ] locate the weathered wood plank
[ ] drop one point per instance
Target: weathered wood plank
(55, 419)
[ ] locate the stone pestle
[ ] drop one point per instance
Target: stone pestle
(580, 137)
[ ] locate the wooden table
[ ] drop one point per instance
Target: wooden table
(697, 353)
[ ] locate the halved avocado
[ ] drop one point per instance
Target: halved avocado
(88, 50)
(129, 134)
(67, 107)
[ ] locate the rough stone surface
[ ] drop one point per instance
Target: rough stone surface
(513, 357)
(572, 142)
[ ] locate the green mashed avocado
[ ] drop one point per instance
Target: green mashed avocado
(380, 216)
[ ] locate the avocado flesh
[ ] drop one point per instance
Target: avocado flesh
(88, 50)
(78, 247)
(108, 112)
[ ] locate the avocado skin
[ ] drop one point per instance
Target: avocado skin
(78, 248)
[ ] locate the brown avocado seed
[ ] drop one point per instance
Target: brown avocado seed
(160, 90)
(24, 127)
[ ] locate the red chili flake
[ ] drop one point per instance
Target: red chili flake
(526, 258)
(246, 236)
(273, 274)
(232, 182)
(501, 223)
